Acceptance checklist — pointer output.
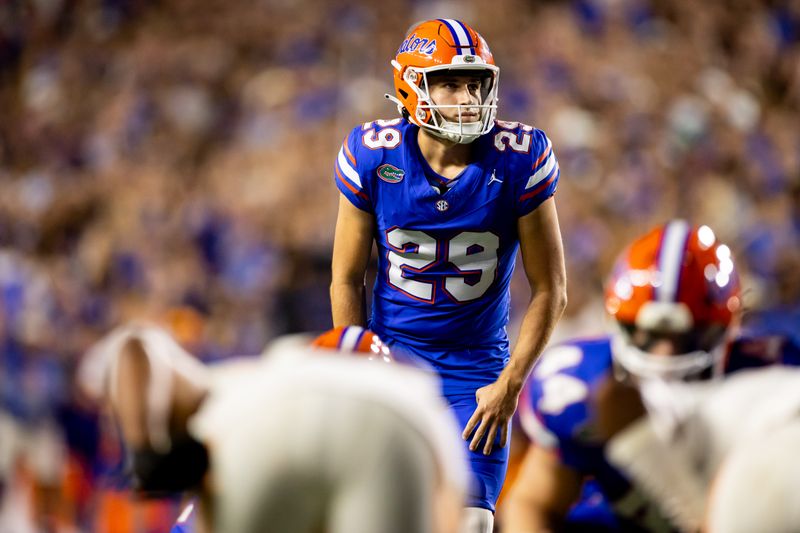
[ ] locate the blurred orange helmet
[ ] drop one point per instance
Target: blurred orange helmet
(679, 281)
(436, 46)
(356, 340)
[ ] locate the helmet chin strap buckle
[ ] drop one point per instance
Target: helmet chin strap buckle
(395, 101)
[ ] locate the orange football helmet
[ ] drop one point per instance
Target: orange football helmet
(677, 281)
(356, 340)
(436, 46)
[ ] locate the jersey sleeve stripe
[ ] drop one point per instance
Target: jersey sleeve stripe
(544, 155)
(346, 184)
(348, 170)
(348, 153)
(541, 187)
(543, 172)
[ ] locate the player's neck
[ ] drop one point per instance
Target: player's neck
(444, 157)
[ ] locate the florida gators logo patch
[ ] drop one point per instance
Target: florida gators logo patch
(390, 173)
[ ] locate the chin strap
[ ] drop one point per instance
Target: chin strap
(461, 137)
(394, 100)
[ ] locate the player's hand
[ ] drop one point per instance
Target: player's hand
(496, 405)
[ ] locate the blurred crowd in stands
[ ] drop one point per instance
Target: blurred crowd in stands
(172, 159)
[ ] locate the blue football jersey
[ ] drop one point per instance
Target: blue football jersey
(445, 258)
(556, 413)
(767, 337)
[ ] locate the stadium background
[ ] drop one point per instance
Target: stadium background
(172, 159)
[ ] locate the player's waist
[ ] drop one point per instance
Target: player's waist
(443, 341)
(459, 326)
(461, 370)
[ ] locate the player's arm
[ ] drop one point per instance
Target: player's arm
(659, 450)
(543, 259)
(351, 251)
(543, 493)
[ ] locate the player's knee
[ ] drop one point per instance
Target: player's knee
(181, 468)
(476, 520)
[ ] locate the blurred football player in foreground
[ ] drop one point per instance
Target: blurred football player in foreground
(718, 456)
(674, 295)
(306, 439)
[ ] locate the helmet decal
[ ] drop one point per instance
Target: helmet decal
(670, 259)
(414, 44)
(461, 37)
(354, 340)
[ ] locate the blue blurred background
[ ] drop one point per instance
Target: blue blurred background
(172, 159)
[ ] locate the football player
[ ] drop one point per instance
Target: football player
(718, 456)
(449, 194)
(300, 440)
(675, 299)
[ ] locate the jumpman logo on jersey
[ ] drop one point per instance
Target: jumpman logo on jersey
(493, 178)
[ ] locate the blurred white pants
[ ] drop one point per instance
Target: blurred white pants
(758, 485)
(329, 443)
(329, 463)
